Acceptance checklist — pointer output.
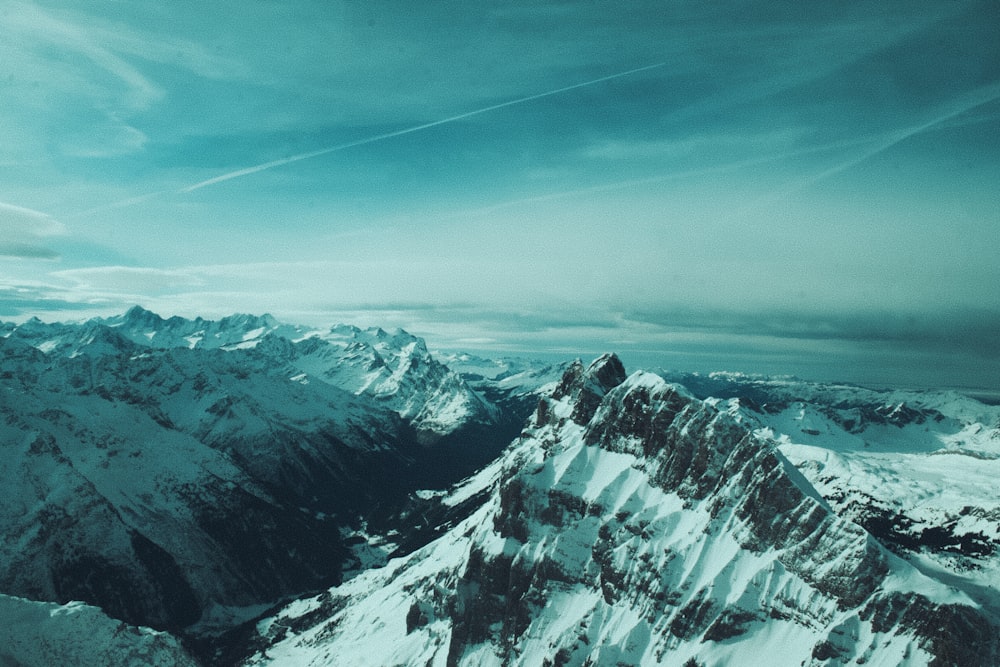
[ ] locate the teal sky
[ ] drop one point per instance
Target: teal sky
(759, 186)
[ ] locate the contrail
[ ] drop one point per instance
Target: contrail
(416, 128)
(880, 144)
(131, 201)
(968, 102)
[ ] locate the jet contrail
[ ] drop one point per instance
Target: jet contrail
(118, 204)
(880, 144)
(968, 102)
(416, 128)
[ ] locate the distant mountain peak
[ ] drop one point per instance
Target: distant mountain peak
(138, 313)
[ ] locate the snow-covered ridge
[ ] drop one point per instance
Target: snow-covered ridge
(177, 471)
(190, 474)
(634, 524)
(396, 368)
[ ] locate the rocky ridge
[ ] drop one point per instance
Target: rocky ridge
(631, 523)
(190, 475)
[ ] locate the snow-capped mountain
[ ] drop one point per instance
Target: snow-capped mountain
(631, 523)
(275, 494)
(178, 471)
(395, 368)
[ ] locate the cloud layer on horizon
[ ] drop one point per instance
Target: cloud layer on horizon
(787, 174)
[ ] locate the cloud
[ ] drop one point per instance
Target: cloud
(34, 297)
(59, 41)
(947, 330)
(79, 81)
(112, 138)
(119, 280)
(687, 145)
(17, 220)
(22, 231)
(26, 251)
(954, 108)
(101, 291)
(952, 346)
(64, 40)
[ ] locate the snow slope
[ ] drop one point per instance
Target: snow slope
(189, 475)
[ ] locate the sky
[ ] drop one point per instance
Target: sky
(770, 187)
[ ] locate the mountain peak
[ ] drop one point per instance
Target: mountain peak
(138, 312)
(607, 372)
(586, 388)
(135, 317)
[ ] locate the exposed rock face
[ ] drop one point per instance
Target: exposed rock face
(634, 524)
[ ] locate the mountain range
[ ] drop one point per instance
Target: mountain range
(248, 492)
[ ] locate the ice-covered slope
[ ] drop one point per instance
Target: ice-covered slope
(108, 500)
(187, 474)
(394, 368)
(398, 371)
(633, 524)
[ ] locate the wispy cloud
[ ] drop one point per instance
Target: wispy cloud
(863, 148)
(79, 81)
(96, 291)
(23, 232)
(744, 159)
(697, 144)
(121, 203)
(130, 279)
(26, 251)
(112, 139)
(792, 53)
(72, 39)
(28, 297)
